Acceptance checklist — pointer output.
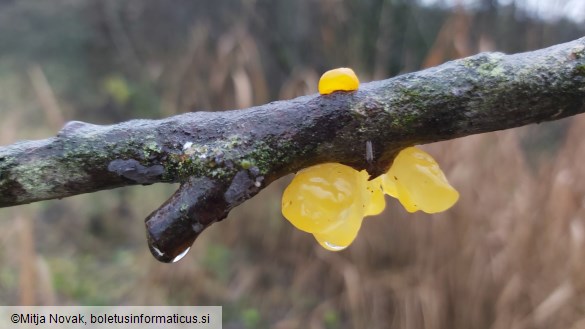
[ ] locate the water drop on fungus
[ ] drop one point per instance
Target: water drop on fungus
(322, 197)
(332, 247)
(330, 200)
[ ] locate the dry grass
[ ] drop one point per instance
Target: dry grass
(508, 255)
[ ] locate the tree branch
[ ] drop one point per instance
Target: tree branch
(224, 158)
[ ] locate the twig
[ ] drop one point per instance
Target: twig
(224, 158)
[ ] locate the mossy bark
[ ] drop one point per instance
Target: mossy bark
(234, 154)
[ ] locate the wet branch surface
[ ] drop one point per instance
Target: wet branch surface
(225, 158)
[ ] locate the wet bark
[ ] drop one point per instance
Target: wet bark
(224, 158)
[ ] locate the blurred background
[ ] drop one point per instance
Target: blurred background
(510, 254)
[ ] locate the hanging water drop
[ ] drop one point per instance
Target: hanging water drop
(333, 247)
(181, 255)
(158, 252)
(369, 152)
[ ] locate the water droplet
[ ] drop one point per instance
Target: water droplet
(158, 252)
(197, 227)
(369, 152)
(181, 255)
(333, 246)
(187, 145)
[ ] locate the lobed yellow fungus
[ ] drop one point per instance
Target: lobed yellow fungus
(416, 180)
(341, 79)
(341, 236)
(321, 197)
(376, 197)
(330, 200)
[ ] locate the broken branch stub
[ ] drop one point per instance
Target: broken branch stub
(198, 203)
(224, 158)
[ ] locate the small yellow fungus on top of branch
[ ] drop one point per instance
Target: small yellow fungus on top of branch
(331, 200)
(341, 79)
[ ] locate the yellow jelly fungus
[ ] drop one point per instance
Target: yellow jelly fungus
(341, 79)
(419, 184)
(340, 237)
(377, 202)
(323, 197)
(330, 200)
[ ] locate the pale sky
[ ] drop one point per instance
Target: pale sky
(545, 9)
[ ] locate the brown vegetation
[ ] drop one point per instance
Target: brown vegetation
(508, 255)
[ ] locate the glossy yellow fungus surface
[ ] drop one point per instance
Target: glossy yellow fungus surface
(341, 236)
(330, 200)
(376, 196)
(322, 197)
(341, 79)
(419, 184)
